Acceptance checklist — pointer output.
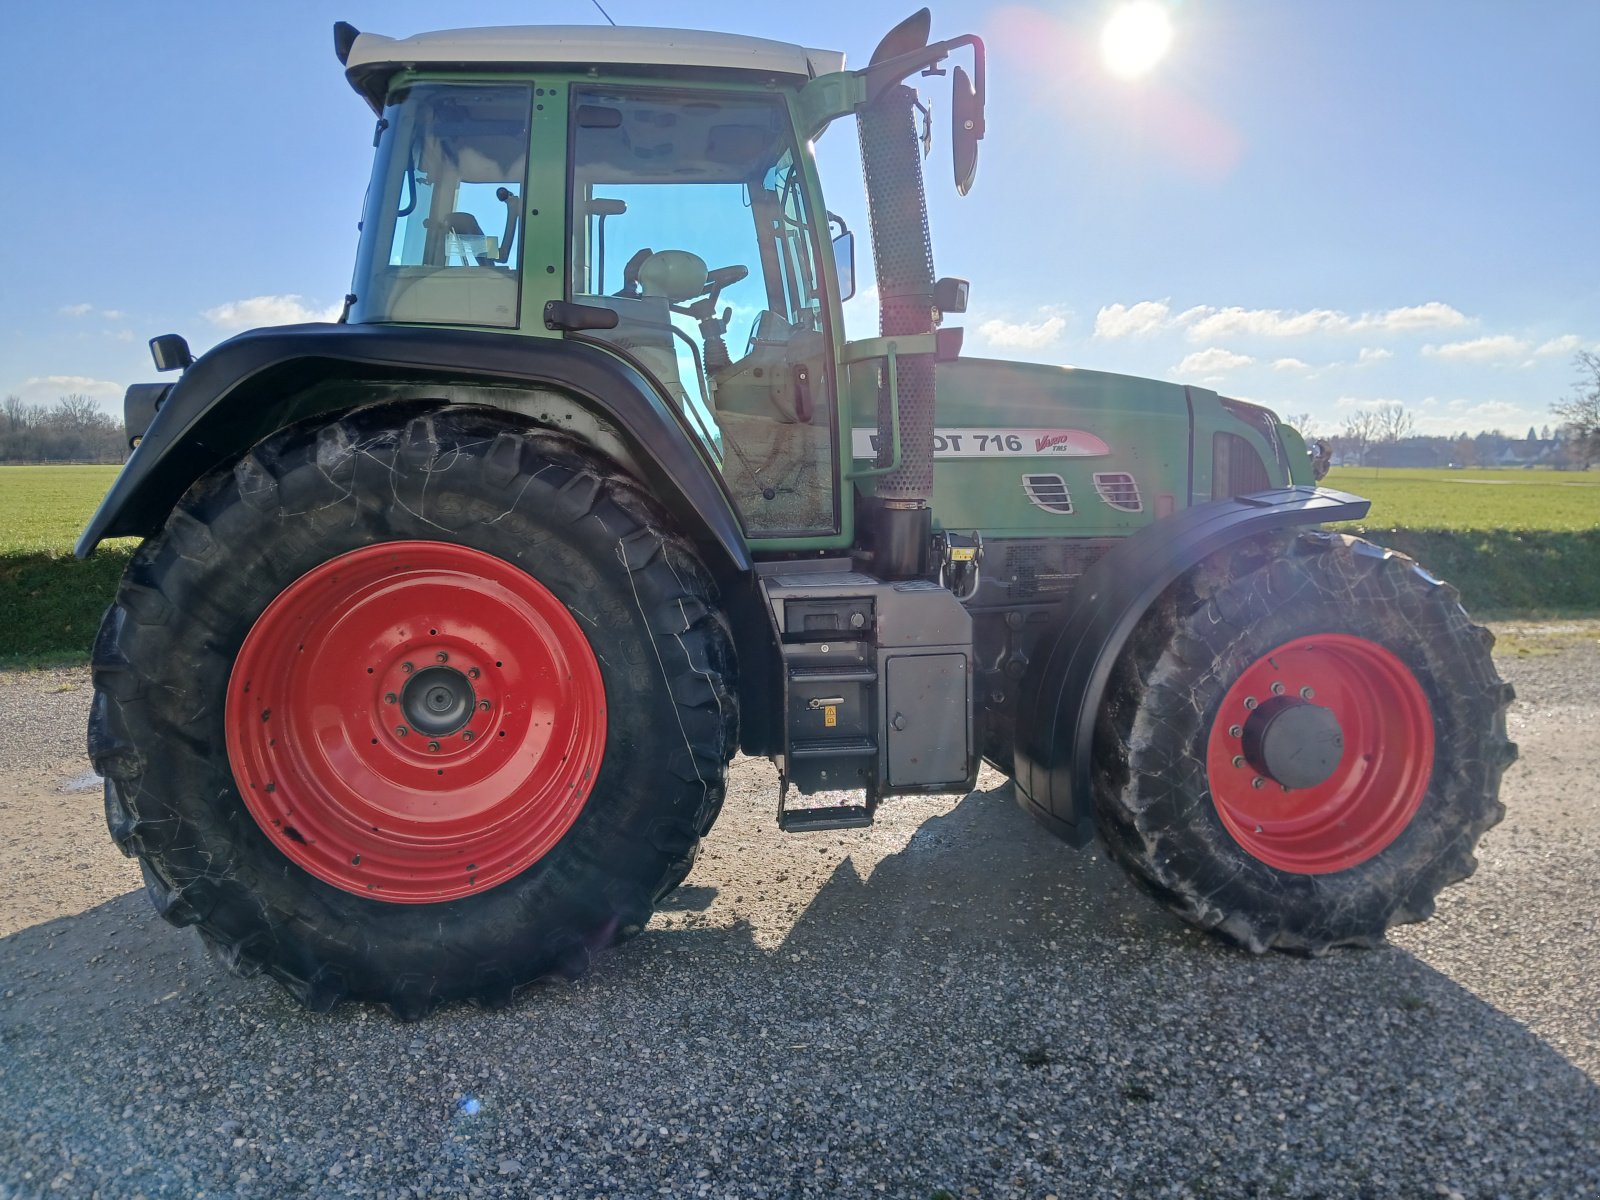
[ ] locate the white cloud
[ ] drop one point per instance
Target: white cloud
(1119, 320)
(1264, 322)
(1019, 335)
(46, 389)
(1432, 315)
(268, 310)
(1213, 361)
(76, 310)
(1484, 349)
(1206, 323)
(112, 314)
(1370, 354)
(1290, 364)
(1567, 343)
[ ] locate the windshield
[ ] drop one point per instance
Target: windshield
(690, 221)
(440, 241)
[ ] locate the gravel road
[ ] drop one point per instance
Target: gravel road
(949, 1002)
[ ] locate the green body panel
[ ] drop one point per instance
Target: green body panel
(1294, 447)
(999, 421)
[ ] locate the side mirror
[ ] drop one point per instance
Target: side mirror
(844, 262)
(966, 128)
(171, 352)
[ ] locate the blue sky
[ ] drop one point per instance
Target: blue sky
(1317, 206)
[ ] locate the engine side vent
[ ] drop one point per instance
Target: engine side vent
(1048, 492)
(1236, 468)
(1119, 490)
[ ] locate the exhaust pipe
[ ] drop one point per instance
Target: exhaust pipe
(899, 526)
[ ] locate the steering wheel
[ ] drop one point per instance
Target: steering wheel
(704, 310)
(716, 281)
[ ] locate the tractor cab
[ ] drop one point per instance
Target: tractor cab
(652, 192)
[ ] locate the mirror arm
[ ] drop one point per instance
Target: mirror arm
(885, 75)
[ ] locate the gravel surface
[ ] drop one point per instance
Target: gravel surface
(949, 1002)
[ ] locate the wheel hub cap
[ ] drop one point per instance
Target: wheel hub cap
(438, 701)
(1294, 743)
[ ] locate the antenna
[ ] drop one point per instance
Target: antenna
(603, 12)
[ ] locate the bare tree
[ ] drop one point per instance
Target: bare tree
(77, 412)
(1580, 412)
(1392, 423)
(74, 430)
(1305, 423)
(1360, 431)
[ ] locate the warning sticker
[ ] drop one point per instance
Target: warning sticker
(996, 443)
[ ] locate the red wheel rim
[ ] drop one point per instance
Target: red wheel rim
(1378, 781)
(323, 733)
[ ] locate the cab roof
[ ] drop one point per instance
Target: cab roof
(373, 58)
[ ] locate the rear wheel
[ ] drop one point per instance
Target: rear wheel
(1302, 744)
(475, 701)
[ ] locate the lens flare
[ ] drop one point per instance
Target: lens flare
(1135, 38)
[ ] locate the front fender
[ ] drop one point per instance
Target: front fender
(1065, 681)
(235, 395)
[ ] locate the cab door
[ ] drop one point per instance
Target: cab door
(691, 220)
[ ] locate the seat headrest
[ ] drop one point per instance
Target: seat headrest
(675, 274)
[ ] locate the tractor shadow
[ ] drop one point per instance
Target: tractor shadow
(947, 985)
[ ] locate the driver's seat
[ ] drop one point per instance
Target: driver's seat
(676, 275)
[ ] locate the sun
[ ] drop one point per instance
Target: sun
(1135, 38)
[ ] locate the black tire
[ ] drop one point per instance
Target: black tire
(536, 499)
(1156, 806)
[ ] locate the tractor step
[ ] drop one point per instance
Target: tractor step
(847, 674)
(832, 747)
(823, 816)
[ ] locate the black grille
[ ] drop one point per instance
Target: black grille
(1049, 492)
(1236, 469)
(1120, 490)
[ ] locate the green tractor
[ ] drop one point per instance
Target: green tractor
(450, 615)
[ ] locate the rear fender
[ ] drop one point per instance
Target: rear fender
(257, 383)
(1068, 669)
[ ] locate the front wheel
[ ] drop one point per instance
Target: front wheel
(416, 706)
(1302, 744)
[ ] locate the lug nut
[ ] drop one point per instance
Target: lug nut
(1238, 760)
(1277, 689)
(407, 668)
(442, 657)
(468, 735)
(473, 672)
(1250, 702)
(1306, 693)
(483, 704)
(391, 698)
(1258, 782)
(1235, 731)
(434, 747)
(401, 730)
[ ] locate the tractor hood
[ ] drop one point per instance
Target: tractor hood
(1028, 450)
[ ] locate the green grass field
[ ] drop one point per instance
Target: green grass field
(1463, 500)
(50, 603)
(1517, 543)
